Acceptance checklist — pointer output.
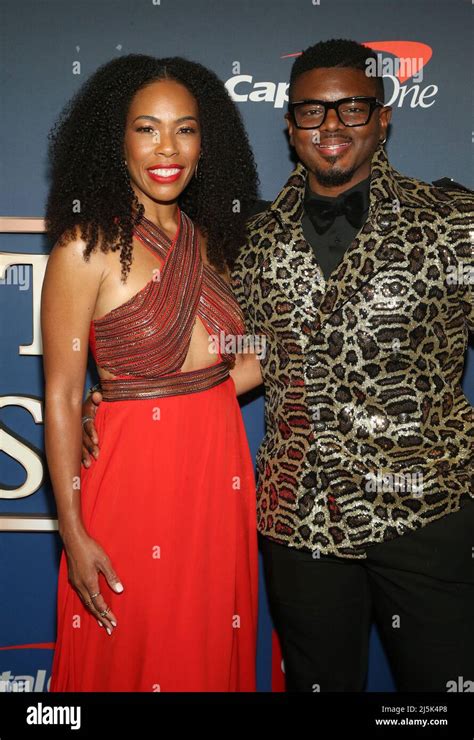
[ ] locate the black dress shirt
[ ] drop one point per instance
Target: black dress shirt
(329, 247)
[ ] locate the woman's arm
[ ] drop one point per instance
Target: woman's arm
(70, 291)
(69, 295)
(246, 373)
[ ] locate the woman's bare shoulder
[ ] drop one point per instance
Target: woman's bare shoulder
(70, 249)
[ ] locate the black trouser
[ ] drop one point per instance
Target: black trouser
(419, 588)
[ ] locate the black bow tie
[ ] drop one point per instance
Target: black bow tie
(322, 213)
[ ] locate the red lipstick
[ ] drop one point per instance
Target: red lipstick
(165, 173)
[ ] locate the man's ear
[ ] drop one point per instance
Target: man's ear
(289, 123)
(385, 117)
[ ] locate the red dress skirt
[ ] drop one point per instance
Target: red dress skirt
(171, 499)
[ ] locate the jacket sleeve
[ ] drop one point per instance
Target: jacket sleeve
(462, 239)
(241, 288)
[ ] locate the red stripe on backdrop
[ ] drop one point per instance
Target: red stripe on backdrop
(34, 645)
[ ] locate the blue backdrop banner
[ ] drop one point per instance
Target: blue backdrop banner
(251, 46)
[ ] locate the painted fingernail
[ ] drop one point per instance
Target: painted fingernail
(109, 632)
(100, 623)
(114, 623)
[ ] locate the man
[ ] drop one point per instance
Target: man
(368, 451)
(356, 275)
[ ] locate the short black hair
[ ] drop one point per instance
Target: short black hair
(336, 53)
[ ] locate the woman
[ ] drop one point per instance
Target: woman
(158, 576)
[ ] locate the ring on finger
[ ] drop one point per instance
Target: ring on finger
(93, 596)
(105, 612)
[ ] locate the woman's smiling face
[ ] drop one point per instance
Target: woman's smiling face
(162, 141)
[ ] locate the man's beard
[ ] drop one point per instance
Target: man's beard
(333, 177)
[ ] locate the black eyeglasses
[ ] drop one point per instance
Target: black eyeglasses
(354, 111)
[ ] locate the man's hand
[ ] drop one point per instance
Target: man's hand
(90, 440)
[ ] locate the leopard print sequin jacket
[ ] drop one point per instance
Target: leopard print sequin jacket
(368, 432)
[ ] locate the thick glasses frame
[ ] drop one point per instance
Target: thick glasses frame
(373, 104)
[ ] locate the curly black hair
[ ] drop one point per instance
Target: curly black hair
(336, 53)
(90, 183)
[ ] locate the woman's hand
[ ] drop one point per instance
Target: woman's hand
(90, 440)
(85, 559)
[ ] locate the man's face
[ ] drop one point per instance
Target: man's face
(336, 156)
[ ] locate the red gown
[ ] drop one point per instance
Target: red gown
(171, 498)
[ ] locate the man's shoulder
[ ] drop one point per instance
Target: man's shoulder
(261, 215)
(453, 194)
(247, 253)
(446, 206)
(445, 194)
(259, 207)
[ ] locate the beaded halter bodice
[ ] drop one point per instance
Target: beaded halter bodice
(147, 338)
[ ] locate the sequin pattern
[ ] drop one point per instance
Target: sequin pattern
(368, 433)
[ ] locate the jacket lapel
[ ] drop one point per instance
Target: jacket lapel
(375, 247)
